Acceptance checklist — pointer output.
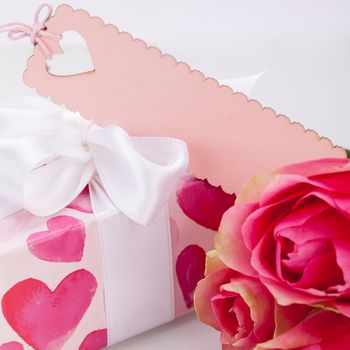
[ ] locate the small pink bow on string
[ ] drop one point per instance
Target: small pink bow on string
(18, 30)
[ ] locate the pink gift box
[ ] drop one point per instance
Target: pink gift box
(80, 277)
(53, 285)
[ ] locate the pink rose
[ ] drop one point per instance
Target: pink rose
(240, 307)
(300, 327)
(291, 229)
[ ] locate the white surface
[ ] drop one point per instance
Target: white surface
(303, 45)
(185, 333)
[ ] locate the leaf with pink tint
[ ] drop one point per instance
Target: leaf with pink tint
(190, 268)
(46, 319)
(13, 345)
(96, 340)
(82, 202)
(203, 203)
(63, 241)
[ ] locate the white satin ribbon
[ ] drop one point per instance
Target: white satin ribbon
(48, 155)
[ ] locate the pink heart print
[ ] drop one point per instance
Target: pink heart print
(202, 202)
(82, 202)
(190, 268)
(64, 240)
(13, 345)
(46, 319)
(96, 340)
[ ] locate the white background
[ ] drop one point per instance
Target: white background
(303, 45)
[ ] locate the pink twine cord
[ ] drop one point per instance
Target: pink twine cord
(18, 30)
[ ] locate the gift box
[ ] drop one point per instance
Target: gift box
(89, 254)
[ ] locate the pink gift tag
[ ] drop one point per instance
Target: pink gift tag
(230, 138)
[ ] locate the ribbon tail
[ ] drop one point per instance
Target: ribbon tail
(102, 205)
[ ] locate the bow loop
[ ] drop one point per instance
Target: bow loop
(19, 30)
(138, 173)
(42, 22)
(56, 153)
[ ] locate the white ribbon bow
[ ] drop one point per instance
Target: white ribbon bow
(48, 155)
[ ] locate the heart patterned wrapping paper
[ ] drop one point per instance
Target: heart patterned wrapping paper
(52, 286)
(86, 240)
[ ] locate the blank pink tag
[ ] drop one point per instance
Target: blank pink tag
(230, 137)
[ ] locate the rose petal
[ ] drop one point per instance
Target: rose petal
(206, 289)
(285, 295)
(301, 255)
(342, 250)
(260, 302)
(339, 342)
(261, 221)
(291, 180)
(342, 202)
(243, 315)
(252, 190)
(336, 182)
(229, 243)
(223, 304)
(314, 167)
(342, 306)
(300, 214)
(203, 203)
(321, 273)
(318, 327)
(338, 201)
(300, 178)
(213, 263)
(320, 226)
(263, 257)
(287, 317)
(285, 187)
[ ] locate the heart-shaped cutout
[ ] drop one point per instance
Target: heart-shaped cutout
(46, 319)
(75, 57)
(13, 345)
(190, 268)
(95, 340)
(63, 241)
